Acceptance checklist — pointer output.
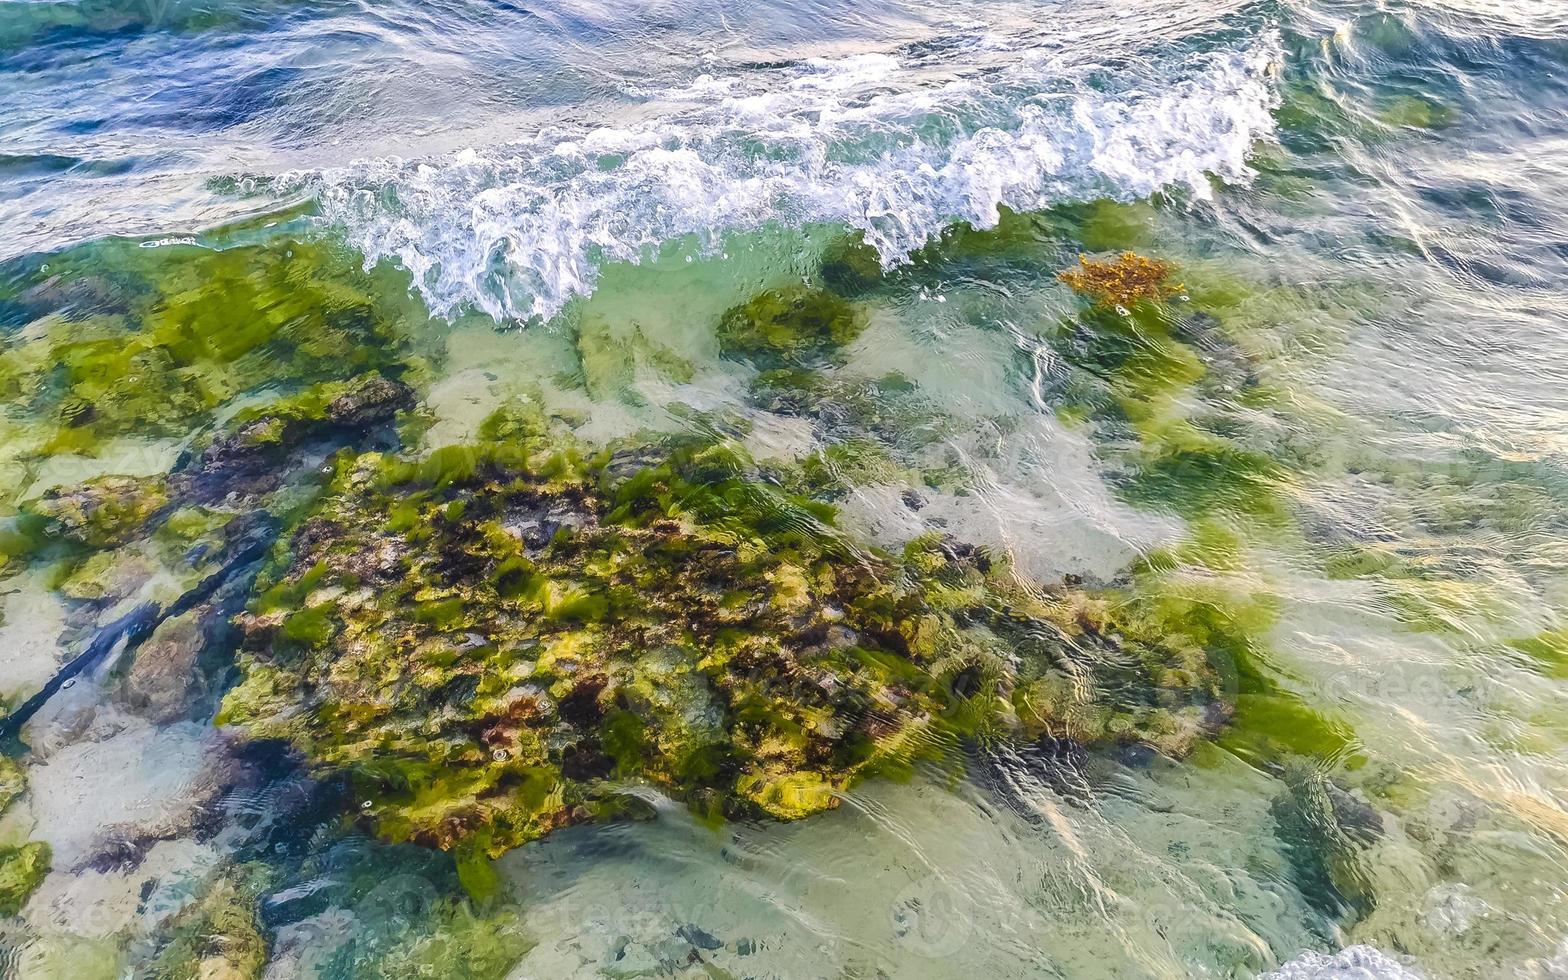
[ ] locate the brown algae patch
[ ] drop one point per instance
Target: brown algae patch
(1126, 281)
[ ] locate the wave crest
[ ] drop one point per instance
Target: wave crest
(517, 230)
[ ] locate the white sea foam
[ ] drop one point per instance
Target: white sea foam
(875, 142)
(1353, 963)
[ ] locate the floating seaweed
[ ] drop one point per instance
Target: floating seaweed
(1125, 281)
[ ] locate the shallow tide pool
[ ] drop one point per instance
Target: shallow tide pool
(783, 489)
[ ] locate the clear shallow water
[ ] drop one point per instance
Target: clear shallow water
(1362, 202)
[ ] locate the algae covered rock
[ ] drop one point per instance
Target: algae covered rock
(22, 868)
(481, 642)
(252, 455)
(790, 325)
(488, 644)
(1325, 828)
(850, 266)
(12, 782)
(165, 678)
(101, 513)
(258, 440)
(216, 937)
(189, 329)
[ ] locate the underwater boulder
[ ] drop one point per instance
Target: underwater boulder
(217, 936)
(488, 644)
(1325, 828)
(22, 866)
(850, 266)
(791, 325)
(259, 439)
(22, 869)
(164, 679)
(100, 513)
(12, 782)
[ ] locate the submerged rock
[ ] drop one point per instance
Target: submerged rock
(100, 513)
(257, 442)
(486, 642)
(850, 266)
(255, 454)
(12, 782)
(789, 326)
(217, 937)
(180, 331)
(22, 869)
(1325, 828)
(164, 678)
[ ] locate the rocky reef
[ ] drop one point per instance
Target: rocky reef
(472, 646)
(497, 640)
(792, 325)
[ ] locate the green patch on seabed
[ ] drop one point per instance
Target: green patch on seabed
(1141, 375)
(1547, 652)
(153, 342)
(486, 640)
(789, 326)
(22, 866)
(217, 935)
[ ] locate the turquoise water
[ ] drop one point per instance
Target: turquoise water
(1328, 456)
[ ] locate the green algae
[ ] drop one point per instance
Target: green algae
(85, 528)
(12, 782)
(454, 940)
(791, 325)
(1325, 827)
(850, 267)
(97, 576)
(1106, 225)
(262, 437)
(23, 867)
(1416, 112)
(22, 870)
(487, 641)
(190, 331)
(1547, 652)
(837, 469)
(1169, 386)
(1016, 237)
(219, 935)
(1178, 595)
(101, 513)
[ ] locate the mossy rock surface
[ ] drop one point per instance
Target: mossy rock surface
(186, 331)
(791, 325)
(850, 266)
(22, 869)
(101, 513)
(12, 782)
(259, 439)
(489, 644)
(218, 936)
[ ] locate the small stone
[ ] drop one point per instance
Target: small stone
(165, 681)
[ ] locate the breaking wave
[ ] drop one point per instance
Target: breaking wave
(1352, 963)
(897, 146)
